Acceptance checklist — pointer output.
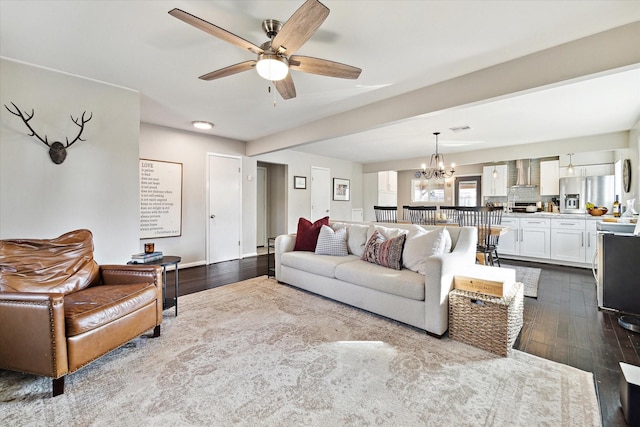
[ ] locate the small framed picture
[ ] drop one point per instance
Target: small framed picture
(341, 190)
(300, 182)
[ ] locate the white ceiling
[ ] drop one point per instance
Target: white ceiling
(400, 45)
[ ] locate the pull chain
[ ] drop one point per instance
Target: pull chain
(274, 96)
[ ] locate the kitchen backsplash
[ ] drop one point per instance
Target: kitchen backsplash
(523, 194)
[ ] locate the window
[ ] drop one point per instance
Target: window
(423, 190)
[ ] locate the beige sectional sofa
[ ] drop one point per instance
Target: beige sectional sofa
(416, 295)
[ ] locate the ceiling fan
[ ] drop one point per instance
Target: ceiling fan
(275, 56)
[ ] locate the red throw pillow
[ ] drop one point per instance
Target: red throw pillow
(307, 236)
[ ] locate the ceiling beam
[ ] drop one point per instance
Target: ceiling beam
(581, 59)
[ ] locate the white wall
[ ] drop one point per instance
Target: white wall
(95, 187)
(190, 149)
(299, 201)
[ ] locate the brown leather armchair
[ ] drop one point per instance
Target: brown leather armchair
(60, 311)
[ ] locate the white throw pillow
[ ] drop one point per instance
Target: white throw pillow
(448, 243)
(356, 236)
(387, 232)
(332, 242)
(421, 245)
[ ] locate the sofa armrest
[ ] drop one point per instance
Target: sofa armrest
(125, 274)
(284, 243)
(439, 272)
(32, 333)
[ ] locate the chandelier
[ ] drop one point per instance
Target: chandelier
(436, 168)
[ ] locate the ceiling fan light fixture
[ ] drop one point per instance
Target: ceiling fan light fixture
(199, 124)
(272, 67)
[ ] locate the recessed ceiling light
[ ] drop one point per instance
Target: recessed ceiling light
(202, 125)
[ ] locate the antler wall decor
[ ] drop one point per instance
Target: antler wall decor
(57, 150)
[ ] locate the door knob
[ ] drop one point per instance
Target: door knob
(213, 216)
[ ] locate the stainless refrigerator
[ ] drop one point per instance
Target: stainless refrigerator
(577, 191)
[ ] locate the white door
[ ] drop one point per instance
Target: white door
(320, 192)
(261, 204)
(225, 207)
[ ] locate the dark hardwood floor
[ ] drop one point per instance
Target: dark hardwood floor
(563, 324)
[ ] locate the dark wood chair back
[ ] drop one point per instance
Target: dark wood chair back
(451, 212)
(405, 213)
(482, 218)
(386, 213)
(425, 215)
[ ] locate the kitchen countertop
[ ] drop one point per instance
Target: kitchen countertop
(554, 215)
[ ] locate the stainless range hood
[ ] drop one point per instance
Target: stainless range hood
(524, 174)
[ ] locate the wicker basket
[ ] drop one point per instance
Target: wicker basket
(484, 321)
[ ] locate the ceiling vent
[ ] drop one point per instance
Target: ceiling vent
(460, 128)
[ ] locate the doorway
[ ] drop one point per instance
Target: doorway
(468, 190)
(261, 204)
(224, 207)
(271, 203)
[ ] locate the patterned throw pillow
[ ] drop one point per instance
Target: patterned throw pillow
(307, 236)
(332, 242)
(383, 251)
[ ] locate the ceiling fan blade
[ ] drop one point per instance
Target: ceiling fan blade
(285, 87)
(300, 27)
(215, 31)
(323, 67)
(230, 70)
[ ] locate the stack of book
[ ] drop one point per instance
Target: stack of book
(144, 257)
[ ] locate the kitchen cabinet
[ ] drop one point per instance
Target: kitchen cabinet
(550, 178)
(509, 242)
(589, 170)
(494, 186)
(527, 237)
(535, 237)
(568, 240)
(591, 240)
(387, 188)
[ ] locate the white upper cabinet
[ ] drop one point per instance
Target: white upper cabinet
(494, 185)
(550, 178)
(388, 188)
(589, 170)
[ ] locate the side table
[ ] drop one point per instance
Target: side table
(164, 262)
(271, 263)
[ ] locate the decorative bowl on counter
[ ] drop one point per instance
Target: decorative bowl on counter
(597, 211)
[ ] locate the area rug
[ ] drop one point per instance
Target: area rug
(529, 276)
(259, 353)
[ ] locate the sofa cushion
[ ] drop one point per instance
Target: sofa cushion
(332, 242)
(383, 251)
(421, 244)
(307, 236)
(312, 263)
(96, 306)
(404, 283)
(356, 236)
